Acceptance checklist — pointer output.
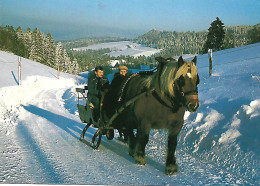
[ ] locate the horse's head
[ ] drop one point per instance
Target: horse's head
(185, 83)
(177, 82)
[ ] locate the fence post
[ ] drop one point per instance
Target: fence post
(58, 72)
(210, 61)
(19, 71)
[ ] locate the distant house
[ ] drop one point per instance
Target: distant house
(116, 63)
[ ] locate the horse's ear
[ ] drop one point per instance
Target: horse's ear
(160, 59)
(180, 61)
(195, 60)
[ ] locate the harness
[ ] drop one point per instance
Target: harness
(123, 87)
(174, 104)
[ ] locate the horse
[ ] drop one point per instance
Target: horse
(170, 91)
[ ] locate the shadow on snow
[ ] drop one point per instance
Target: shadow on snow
(68, 124)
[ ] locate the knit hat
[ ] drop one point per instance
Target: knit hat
(123, 68)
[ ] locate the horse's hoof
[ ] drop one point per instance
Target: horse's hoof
(140, 160)
(171, 169)
(131, 152)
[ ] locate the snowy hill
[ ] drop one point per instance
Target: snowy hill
(39, 130)
(123, 48)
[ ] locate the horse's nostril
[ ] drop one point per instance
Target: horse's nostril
(193, 107)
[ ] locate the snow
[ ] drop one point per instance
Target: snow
(218, 145)
(253, 108)
(124, 48)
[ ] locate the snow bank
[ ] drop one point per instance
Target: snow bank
(11, 98)
(211, 120)
(242, 117)
(253, 109)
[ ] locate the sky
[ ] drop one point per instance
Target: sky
(71, 19)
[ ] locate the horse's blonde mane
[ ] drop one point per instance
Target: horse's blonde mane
(183, 70)
(148, 81)
(169, 75)
(166, 78)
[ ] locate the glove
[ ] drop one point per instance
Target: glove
(91, 105)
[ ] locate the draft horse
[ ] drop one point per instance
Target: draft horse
(170, 91)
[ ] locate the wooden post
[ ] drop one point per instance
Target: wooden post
(19, 71)
(58, 72)
(210, 61)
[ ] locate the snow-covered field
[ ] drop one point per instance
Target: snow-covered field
(124, 48)
(40, 127)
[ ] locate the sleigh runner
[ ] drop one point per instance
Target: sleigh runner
(86, 116)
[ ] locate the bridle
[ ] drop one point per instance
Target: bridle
(174, 103)
(184, 96)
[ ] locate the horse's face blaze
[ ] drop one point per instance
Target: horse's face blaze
(188, 84)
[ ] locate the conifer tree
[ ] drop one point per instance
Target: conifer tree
(50, 50)
(75, 67)
(28, 39)
(37, 51)
(254, 34)
(215, 37)
(58, 56)
(66, 65)
(19, 33)
(62, 60)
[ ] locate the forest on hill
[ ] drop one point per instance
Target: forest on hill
(179, 43)
(172, 44)
(37, 46)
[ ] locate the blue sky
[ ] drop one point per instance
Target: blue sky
(67, 19)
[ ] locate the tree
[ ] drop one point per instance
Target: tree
(28, 38)
(36, 50)
(19, 33)
(215, 37)
(74, 67)
(254, 34)
(49, 50)
(229, 41)
(58, 56)
(66, 65)
(9, 41)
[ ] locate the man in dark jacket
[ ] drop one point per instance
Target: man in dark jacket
(115, 90)
(96, 85)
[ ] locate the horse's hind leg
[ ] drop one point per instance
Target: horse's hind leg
(171, 166)
(131, 141)
(141, 141)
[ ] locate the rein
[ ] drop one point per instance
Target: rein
(123, 87)
(179, 97)
(173, 103)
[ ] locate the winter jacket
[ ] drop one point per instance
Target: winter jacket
(95, 86)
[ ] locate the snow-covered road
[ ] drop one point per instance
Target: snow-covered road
(40, 127)
(41, 146)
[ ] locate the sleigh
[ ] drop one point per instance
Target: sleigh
(87, 116)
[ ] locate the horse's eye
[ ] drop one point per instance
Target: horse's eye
(181, 81)
(198, 79)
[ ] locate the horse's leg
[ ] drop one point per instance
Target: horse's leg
(171, 166)
(131, 141)
(141, 141)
